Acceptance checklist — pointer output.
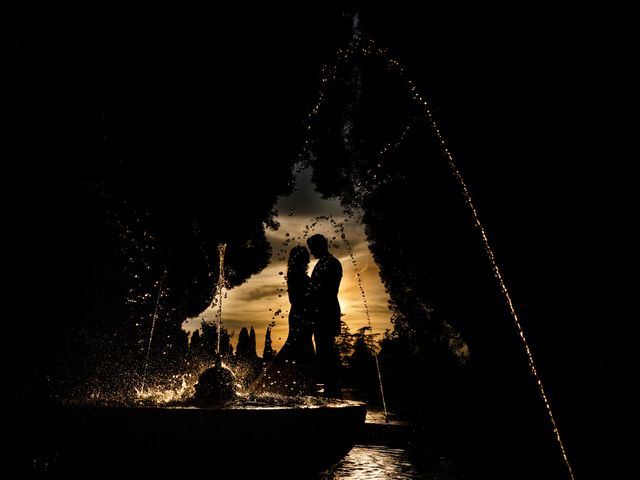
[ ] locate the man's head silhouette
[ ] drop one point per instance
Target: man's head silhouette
(318, 245)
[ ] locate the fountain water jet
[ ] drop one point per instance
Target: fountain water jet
(219, 290)
(216, 384)
(154, 318)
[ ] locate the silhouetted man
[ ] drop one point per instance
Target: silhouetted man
(324, 309)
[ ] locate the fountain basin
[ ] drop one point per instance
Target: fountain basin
(278, 440)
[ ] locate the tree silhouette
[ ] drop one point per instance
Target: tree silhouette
(344, 343)
(249, 365)
(361, 365)
(252, 343)
(243, 347)
(268, 353)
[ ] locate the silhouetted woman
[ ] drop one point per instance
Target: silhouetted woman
(299, 346)
(292, 371)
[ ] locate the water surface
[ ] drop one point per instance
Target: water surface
(378, 462)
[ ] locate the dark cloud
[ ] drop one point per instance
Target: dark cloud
(258, 293)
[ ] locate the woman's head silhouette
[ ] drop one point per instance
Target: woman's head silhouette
(298, 259)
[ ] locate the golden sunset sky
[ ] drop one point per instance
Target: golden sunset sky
(254, 302)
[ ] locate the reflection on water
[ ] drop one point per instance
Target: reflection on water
(373, 462)
(363, 462)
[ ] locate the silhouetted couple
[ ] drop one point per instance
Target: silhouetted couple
(314, 312)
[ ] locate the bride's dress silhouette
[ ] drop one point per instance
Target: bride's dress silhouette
(292, 371)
